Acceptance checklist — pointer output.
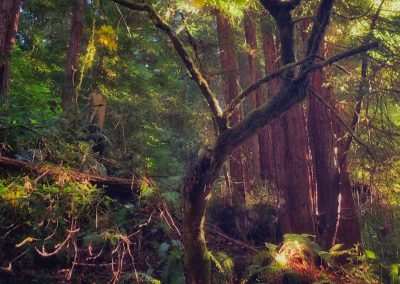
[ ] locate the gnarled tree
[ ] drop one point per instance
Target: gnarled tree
(202, 175)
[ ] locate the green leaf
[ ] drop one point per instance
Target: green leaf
(394, 274)
(370, 254)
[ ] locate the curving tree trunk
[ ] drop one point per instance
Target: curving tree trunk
(9, 16)
(69, 96)
(201, 177)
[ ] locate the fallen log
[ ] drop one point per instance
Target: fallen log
(61, 174)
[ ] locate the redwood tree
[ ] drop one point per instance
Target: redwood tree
(230, 72)
(261, 146)
(292, 176)
(9, 15)
(69, 96)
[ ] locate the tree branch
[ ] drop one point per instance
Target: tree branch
(236, 102)
(319, 27)
(329, 61)
(340, 56)
(349, 130)
(210, 97)
(288, 96)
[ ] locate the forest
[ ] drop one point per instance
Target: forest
(200, 141)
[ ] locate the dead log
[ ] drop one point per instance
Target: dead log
(114, 186)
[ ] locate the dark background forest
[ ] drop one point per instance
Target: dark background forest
(201, 141)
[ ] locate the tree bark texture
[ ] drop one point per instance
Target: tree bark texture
(323, 138)
(267, 157)
(69, 96)
(349, 228)
(230, 87)
(9, 16)
(292, 176)
(261, 146)
(335, 204)
(250, 163)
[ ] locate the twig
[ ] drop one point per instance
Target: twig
(63, 244)
(357, 139)
(215, 230)
(9, 267)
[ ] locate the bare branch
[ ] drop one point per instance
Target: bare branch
(287, 96)
(236, 102)
(329, 61)
(340, 56)
(210, 97)
(349, 130)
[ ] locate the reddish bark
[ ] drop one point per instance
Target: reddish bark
(230, 72)
(250, 163)
(323, 140)
(335, 204)
(69, 96)
(267, 156)
(261, 147)
(291, 175)
(348, 226)
(9, 16)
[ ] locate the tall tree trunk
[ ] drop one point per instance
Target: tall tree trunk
(229, 67)
(348, 227)
(323, 138)
(9, 16)
(250, 164)
(267, 156)
(260, 143)
(69, 96)
(292, 176)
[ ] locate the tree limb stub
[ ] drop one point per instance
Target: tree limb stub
(211, 98)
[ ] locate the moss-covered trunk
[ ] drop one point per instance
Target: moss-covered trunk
(197, 187)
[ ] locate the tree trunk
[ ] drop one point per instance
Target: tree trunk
(69, 96)
(250, 163)
(267, 156)
(323, 138)
(230, 72)
(292, 176)
(196, 189)
(256, 99)
(9, 15)
(348, 227)
(335, 204)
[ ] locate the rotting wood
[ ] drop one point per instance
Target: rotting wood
(126, 186)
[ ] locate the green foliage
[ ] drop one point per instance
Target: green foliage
(300, 259)
(172, 258)
(224, 267)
